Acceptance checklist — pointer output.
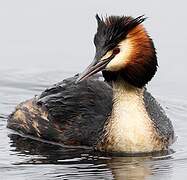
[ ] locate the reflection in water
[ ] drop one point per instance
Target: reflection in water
(48, 153)
(136, 167)
(116, 166)
(129, 167)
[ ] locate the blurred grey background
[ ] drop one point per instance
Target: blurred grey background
(58, 35)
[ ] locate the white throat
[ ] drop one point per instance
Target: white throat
(129, 128)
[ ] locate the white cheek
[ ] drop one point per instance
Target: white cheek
(116, 63)
(120, 60)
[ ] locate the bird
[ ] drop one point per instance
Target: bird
(112, 112)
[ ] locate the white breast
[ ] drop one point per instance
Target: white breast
(131, 129)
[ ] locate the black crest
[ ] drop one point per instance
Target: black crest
(113, 29)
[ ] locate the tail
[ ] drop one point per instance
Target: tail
(29, 118)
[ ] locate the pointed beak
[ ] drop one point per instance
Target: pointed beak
(94, 67)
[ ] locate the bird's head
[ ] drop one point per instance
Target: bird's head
(123, 49)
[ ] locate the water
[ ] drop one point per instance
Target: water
(43, 42)
(23, 158)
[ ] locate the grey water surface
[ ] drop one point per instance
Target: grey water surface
(43, 42)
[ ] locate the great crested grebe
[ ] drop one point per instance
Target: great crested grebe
(115, 115)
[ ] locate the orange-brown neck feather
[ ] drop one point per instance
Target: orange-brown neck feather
(141, 65)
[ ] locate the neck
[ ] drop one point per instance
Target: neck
(129, 128)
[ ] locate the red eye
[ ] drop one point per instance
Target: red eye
(116, 50)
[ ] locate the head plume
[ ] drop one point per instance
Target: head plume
(113, 29)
